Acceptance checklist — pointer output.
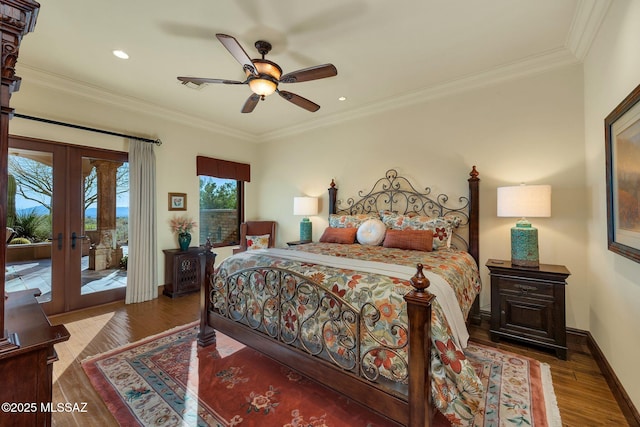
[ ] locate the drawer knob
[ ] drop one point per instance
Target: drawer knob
(525, 289)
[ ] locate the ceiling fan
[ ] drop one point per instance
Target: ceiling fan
(263, 76)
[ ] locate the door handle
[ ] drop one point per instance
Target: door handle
(59, 239)
(74, 237)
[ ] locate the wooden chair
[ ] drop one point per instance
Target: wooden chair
(256, 228)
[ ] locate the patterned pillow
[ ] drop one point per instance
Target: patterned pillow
(442, 228)
(417, 240)
(345, 235)
(258, 242)
(348, 221)
(400, 222)
(442, 232)
(371, 232)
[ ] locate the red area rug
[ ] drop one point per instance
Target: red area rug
(167, 380)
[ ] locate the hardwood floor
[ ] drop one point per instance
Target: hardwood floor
(583, 395)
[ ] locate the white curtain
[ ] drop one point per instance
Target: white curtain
(141, 266)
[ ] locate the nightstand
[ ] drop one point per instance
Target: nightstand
(528, 304)
(184, 271)
(298, 242)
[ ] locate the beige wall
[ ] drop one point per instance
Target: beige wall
(527, 130)
(611, 72)
(175, 158)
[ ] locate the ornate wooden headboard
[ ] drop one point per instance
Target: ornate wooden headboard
(395, 193)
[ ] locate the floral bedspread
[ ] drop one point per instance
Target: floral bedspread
(456, 389)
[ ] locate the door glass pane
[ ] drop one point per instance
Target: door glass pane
(106, 225)
(29, 195)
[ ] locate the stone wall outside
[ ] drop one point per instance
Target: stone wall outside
(220, 225)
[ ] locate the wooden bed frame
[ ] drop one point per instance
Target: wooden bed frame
(411, 407)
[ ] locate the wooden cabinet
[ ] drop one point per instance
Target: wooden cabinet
(26, 369)
(184, 270)
(528, 304)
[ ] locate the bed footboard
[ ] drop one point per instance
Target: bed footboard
(294, 320)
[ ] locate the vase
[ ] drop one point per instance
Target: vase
(184, 239)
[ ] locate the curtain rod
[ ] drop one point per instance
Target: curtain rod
(106, 132)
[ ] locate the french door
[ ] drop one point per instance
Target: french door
(70, 218)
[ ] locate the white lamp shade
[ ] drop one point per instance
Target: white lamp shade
(524, 201)
(305, 206)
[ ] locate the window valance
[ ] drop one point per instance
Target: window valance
(223, 169)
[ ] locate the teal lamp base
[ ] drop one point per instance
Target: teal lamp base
(524, 245)
(305, 230)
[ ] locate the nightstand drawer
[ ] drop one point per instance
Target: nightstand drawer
(523, 287)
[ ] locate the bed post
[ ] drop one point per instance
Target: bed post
(419, 313)
(333, 194)
(474, 234)
(474, 213)
(207, 334)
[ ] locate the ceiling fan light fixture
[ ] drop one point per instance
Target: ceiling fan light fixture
(262, 87)
(268, 76)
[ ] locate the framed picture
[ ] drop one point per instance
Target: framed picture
(622, 152)
(177, 201)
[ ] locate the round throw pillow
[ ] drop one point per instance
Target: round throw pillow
(371, 232)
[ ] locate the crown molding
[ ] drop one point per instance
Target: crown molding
(101, 96)
(529, 66)
(586, 23)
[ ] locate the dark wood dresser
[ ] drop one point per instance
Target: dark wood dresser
(184, 270)
(528, 304)
(26, 370)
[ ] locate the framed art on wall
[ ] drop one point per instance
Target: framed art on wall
(177, 201)
(622, 152)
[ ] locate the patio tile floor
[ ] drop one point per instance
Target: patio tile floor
(37, 274)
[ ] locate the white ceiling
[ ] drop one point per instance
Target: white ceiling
(388, 53)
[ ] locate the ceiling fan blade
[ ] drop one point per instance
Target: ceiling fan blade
(299, 101)
(311, 73)
(250, 103)
(238, 52)
(199, 80)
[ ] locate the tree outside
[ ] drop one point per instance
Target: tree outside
(216, 195)
(34, 184)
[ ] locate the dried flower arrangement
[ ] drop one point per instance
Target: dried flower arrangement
(182, 224)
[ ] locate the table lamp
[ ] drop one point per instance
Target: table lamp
(305, 206)
(524, 201)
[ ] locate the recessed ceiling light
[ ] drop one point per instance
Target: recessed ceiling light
(342, 98)
(121, 54)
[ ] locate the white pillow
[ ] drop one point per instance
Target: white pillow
(371, 232)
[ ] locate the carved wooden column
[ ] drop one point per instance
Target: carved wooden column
(105, 254)
(17, 17)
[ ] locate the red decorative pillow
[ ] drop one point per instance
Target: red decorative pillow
(339, 235)
(416, 240)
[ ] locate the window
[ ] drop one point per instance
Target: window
(220, 210)
(221, 200)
